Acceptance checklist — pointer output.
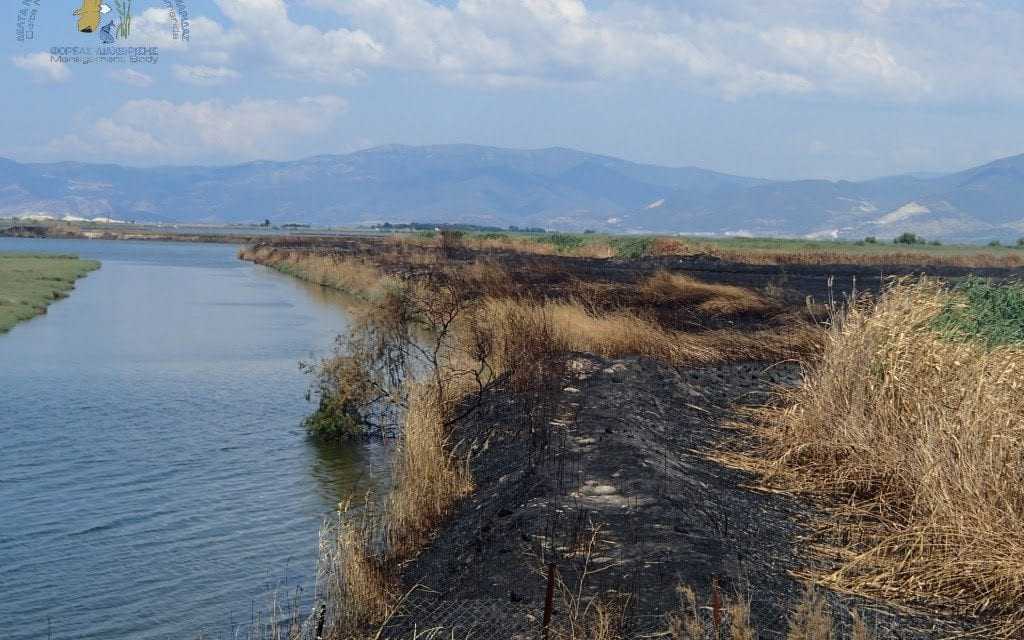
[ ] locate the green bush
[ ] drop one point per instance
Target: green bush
(335, 419)
(871, 240)
(562, 241)
(1020, 242)
(908, 238)
(983, 311)
(995, 243)
(631, 247)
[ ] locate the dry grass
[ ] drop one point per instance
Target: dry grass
(917, 443)
(353, 275)
(428, 479)
(351, 573)
(615, 334)
(715, 299)
(361, 553)
(810, 619)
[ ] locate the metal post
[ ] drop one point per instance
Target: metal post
(549, 599)
(716, 606)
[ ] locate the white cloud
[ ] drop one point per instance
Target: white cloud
(159, 130)
(298, 51)
(877, 49)
(152, 28)
(203, 75)
(209, 42)
(515, 42)
(42, 67)
(131, 77)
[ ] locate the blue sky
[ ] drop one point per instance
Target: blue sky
(780, 88)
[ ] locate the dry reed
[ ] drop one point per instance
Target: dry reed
(350, 274)
(615, 334)
(917, 444)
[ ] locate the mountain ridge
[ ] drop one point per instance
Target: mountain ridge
(555, 187)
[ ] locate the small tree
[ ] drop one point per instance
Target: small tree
(1020, 242)
(995, 243)
(449, 241)
(871, 240)
(908, 238)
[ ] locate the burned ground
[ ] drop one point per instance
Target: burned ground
(554, 276)
(609, 473)
(619, 453)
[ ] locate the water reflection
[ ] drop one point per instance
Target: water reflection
(154, 474)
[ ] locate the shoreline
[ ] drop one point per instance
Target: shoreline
(29, 283)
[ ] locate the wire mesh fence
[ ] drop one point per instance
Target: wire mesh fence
(604, 477)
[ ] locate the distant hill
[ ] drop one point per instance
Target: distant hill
(552, 188)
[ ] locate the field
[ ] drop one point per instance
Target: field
(680, 445)
(28, 283)
(912, 252)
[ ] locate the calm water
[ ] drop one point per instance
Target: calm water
(155, 481)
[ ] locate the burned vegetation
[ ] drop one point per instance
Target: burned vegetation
(624, 448)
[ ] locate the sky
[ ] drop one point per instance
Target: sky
(770, 88)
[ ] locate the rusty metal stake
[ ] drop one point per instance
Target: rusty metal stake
(549, 598)
(716, 606)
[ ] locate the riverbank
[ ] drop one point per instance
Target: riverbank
(231, 234)
(30, 283)
(595, 440)
(753, 251)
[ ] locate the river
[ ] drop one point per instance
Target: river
(155, 480)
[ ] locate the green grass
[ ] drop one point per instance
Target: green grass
(28, 283)
(563, 242)
(640, 245)
(986, 312)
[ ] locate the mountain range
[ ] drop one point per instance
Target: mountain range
(552, 188)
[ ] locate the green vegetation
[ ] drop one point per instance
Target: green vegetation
(631, 247)
(563, 242)
(907, 249)
(909, 238)
(985, 312)
(28, 283)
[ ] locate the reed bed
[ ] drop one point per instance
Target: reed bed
(915, 442)
(356, 276)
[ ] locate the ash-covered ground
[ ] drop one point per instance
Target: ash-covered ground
(610, 475)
